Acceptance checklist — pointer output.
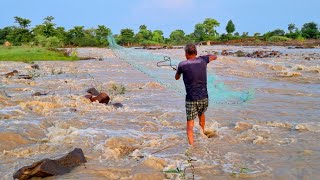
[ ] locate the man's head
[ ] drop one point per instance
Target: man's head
(191, 51)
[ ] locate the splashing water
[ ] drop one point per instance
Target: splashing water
(147, 63)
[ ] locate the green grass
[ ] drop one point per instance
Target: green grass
(26, 54)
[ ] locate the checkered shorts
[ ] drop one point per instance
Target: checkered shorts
(194, 108)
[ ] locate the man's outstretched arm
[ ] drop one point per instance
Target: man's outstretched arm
(212, 58)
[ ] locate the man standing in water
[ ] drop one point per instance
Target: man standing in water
(194, 71)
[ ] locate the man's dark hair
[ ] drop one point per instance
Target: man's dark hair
(191, 49)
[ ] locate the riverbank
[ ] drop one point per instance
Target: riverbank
(27, 54)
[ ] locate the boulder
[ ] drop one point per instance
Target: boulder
(48, 167)
(93, 91)
(101, 98)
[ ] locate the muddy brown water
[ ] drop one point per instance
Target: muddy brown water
(273, 136)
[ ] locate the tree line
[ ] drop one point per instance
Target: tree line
(48, 34)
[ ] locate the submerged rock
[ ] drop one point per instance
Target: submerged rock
(93, 91)
(101, 98)
(48, 167)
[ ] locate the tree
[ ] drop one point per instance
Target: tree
(230, 28)
(245, 34)
(278, 32)
(310, 30)
(142, 27)
(199, 32)
(101, 35)
(126, 36)
(177, 37)
(157, 36)
(209, 25)
(256, 34)
(23, 23)
(143, 34)
(236, 34)
(291, 27)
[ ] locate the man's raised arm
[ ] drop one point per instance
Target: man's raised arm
(212, 58)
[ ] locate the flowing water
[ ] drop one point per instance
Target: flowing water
(275, 135)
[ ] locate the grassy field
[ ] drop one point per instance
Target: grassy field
(26, 54)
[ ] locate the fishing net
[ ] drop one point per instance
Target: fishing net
(162, 69)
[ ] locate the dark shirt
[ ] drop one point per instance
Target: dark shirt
(195, 77)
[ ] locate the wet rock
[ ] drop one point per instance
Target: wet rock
(121, 146)
(35, 66)
(241, 53)
(101, 98)
(88, 96)
(25, 77)
(117, 105)
(240, 126)
(11, 74)
(279, 124)
(211, 134)
(48, 167)
(40, 94)
(93, 91)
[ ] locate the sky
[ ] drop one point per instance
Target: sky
(167, 15)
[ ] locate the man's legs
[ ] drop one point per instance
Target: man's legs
(190, 124)
(202, 121)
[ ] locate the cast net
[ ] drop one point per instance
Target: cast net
(161, 68)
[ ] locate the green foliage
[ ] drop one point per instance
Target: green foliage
(157, 36)
(53, 42)
(291, 27)
(278, 32)
(4, 33)
(310, 30)
(117, 89)
(199, 32)
(236, 34)
(278, 39)
(245, 34)
(230, 28)
(256, 34)
(23, 23)
(26, 54)
(209, 26)
(177, 37)
(126, 36)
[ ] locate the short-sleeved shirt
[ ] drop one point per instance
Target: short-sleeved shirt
(194, 73)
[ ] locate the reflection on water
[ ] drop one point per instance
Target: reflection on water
(274, 136)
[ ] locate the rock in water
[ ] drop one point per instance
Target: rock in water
(93, 91)
(102, 98)
(48, 167)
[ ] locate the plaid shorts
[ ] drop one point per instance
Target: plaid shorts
(194, 108)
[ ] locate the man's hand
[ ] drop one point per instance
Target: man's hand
(212, 58)
(178, 76)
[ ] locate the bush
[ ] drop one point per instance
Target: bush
(278, 39)
(53, 42)
(300, 38)
(40, 40)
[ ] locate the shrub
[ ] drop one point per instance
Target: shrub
(53, 42)
(40, 40)
(300, 38)
(278, 39)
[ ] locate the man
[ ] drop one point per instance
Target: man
(194, 71)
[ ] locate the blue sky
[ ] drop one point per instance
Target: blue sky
(167, 15)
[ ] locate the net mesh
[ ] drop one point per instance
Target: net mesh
(148, 63)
